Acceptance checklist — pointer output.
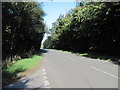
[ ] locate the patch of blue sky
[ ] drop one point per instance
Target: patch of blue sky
(53, 10)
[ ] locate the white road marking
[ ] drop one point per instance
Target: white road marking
(46, 82)
(48, 87)
(105, 72)
(71, 58)
(43, 70)
(44, 73)
(45, 77)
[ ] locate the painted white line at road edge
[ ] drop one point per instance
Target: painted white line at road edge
(43, 70)
(46, 82)
(104, 72)
(44, 73)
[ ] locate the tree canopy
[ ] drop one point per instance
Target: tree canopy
(23, 27)
(92, 26)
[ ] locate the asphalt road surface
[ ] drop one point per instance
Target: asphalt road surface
(66, 70)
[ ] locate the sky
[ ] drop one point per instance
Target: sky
(53, 11)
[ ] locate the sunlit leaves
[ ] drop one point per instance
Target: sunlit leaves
(23, 27)
(92, 26)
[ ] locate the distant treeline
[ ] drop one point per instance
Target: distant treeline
(90, 27)
(22, 29)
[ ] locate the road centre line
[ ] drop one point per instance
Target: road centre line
(105, 72)
(96, 68)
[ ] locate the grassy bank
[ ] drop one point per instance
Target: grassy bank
(94, 55)
(11, 73)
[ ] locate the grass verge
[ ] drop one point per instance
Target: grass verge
(10, 74)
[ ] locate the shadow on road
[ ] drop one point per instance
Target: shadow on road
(115, 60)
(21, 84)
(43, 51)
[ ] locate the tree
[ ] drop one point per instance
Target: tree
(88, 27)
(23, 27)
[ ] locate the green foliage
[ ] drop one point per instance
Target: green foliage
(93, 26)
(23, 28)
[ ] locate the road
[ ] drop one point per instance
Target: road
(66, 70)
